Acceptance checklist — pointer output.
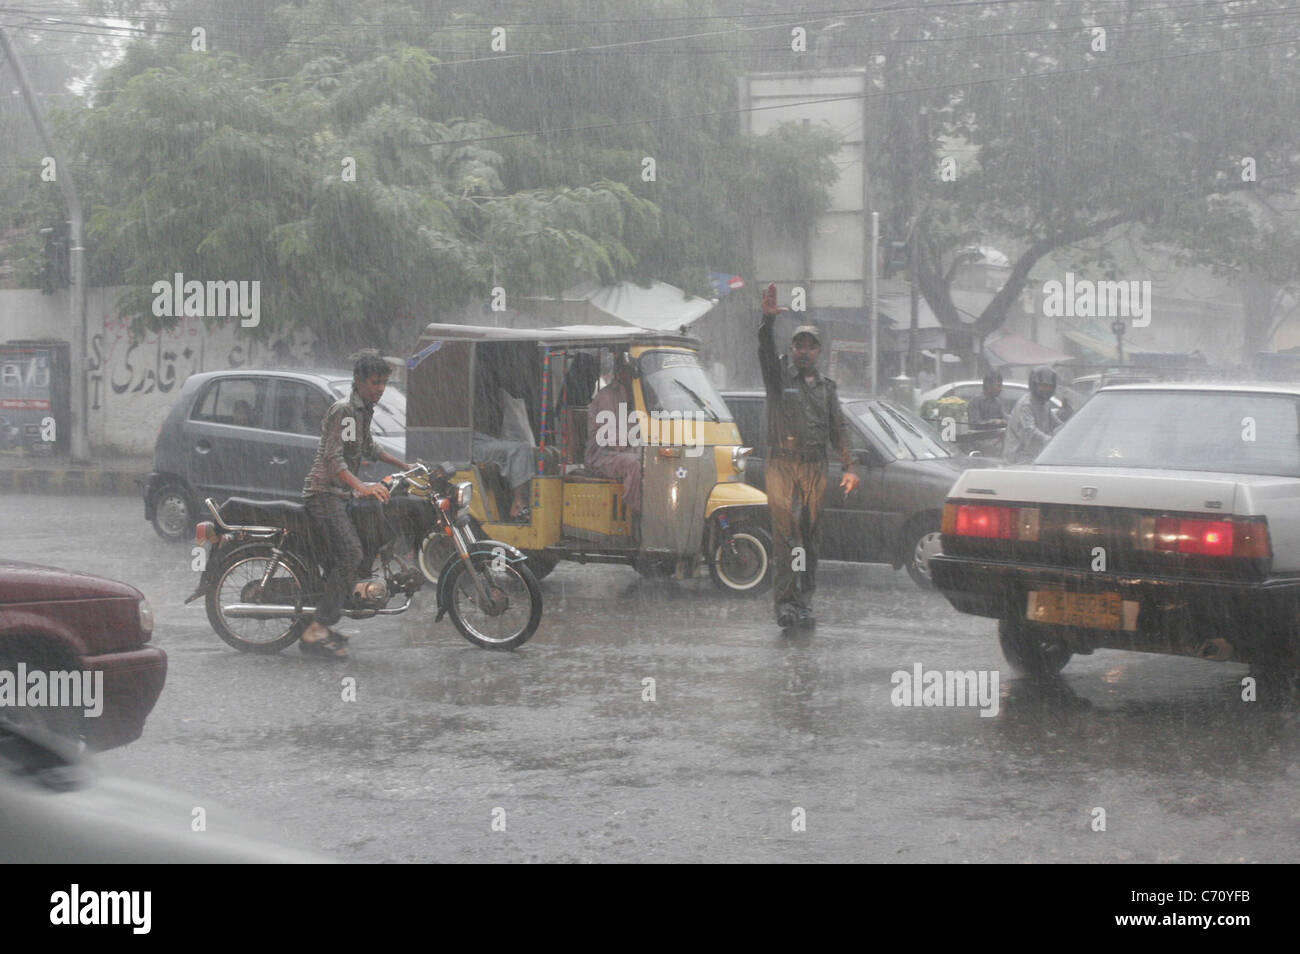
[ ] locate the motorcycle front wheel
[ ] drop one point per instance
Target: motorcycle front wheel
(437, 547)
(239, 582)
(512, 609)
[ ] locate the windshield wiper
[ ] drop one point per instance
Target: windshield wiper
(885, 424)
(699, 401)
(904, 421)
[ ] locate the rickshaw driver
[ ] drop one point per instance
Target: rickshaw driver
(604, 458)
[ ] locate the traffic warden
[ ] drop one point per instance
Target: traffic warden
(804, 416)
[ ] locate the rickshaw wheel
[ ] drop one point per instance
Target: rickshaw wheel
(541, 563)
(746, 569)
(653, 569)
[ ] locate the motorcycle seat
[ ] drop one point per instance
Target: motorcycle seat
(290, 514)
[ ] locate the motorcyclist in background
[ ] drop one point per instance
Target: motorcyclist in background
(1033, 421)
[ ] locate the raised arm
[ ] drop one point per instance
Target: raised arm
(768, 361)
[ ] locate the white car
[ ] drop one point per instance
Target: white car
(1161, 518)
(1012, 391)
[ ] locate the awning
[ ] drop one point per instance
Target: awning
(659, 307)
(1098, 347)
(1011, 348)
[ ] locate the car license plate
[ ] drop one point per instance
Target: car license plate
(1089, 610)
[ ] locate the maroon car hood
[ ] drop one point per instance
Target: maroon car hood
(31, 583)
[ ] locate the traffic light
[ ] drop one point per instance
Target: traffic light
(54, 270)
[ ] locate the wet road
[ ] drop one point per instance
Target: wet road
(749, 733)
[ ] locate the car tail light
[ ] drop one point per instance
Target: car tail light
(1226, 538)
(993, 521)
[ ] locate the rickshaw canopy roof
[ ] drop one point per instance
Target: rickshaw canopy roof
(577, 336)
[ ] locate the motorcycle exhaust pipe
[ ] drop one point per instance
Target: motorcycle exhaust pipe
(281, 611)
(263, 610)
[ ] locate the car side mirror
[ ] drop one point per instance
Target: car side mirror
(866, 457)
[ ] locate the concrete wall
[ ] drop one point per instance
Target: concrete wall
(132, 382)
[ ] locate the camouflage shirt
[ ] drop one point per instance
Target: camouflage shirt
(347, 417)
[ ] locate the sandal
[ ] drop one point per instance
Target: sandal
(334, 646)
(523, 516)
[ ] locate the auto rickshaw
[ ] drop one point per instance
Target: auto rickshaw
(696, 509)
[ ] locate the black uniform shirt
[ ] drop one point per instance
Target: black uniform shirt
(802, 417)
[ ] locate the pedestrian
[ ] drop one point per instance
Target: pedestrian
(717, 371)
(344, 443)
(1033, 420)
(804, 415)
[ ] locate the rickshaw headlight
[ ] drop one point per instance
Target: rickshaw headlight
(464, 494)
(738, 456)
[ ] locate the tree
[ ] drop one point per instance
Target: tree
(1068, 120)
(352, 162)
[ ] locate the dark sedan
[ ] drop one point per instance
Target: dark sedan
(74, 654)
(894, 515)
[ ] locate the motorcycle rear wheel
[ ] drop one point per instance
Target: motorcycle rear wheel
(515, 609)
(236, 583)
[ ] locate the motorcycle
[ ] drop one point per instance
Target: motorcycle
(265, 567)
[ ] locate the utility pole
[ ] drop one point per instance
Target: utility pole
(80, 438)
(912, 370)
(875, 305)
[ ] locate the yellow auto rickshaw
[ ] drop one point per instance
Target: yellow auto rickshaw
(472, 391)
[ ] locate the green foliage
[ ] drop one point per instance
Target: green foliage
(361, 162)
(792, 168)
(1058, 142)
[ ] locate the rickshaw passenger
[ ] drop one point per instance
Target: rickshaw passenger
(608, 458)
(515, 458)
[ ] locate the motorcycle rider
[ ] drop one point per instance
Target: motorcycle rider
(345, 442)
(1033, 420)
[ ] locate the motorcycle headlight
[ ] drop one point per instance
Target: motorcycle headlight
(738, 456)
(464, 494)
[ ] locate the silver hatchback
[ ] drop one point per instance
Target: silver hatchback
(248, 433)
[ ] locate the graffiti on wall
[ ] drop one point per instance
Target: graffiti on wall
(124, 363)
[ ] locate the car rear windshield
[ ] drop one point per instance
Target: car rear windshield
(1217, 431)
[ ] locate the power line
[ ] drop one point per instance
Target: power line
(1017, 77)
(624, 45)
